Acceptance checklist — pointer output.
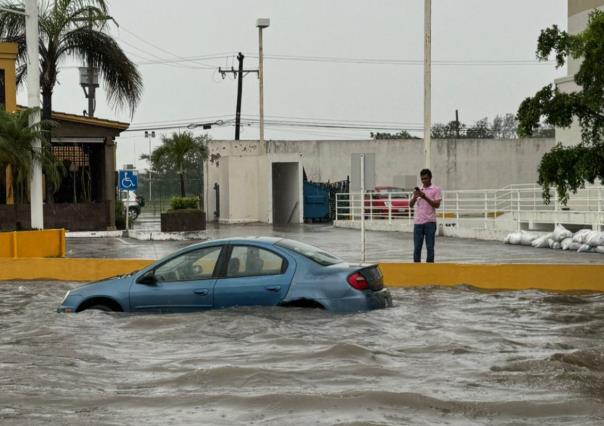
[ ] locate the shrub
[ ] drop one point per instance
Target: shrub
(181, 203)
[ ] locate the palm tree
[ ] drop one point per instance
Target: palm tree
(73, 28)
(179, 152)
(18, 153)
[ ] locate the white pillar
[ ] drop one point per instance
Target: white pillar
(362, 208)
(33, 101)
(261, 78)
(427, 82)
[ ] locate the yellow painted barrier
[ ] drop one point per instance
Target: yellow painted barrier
(554, 277)
(67, 269)
(43, 243)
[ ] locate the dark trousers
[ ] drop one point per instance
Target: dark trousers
(427, 231)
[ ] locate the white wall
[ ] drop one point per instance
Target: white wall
(457, 163)
(244, 172)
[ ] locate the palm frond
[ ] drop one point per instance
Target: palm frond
(123, 81)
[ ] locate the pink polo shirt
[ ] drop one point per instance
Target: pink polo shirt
(424, 212)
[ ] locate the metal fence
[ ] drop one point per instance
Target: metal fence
(480, 208)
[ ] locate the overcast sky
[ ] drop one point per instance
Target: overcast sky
(344, 62)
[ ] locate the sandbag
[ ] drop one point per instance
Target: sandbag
(599, 249)
(513, 238)
(594, 239)
(565, 243)
(555, 245)
(526, 237)
(560, 233)
(585, 248)
(574, 246)
(542, 241)
(579, 236)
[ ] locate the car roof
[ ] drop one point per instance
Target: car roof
(241, 240)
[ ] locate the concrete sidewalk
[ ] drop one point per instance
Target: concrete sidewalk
(345, 243)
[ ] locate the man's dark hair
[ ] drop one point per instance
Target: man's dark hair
(426, 172)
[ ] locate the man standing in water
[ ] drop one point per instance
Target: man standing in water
(425, 201)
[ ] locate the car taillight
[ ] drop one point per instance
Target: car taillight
(358, 281)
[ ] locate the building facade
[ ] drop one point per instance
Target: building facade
(578, 15)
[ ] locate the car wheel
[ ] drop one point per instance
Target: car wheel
(103, 308)
(132, 214)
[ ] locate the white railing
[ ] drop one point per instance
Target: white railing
(481, 208)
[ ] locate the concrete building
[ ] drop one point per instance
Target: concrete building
(578, 15)
(250, 183)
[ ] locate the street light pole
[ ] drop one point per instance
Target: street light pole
(261, 23)
(33, 101)
(427, 82)
(149, 135)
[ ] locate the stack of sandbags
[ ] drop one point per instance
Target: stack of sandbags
(589, 241)
(523, 238)
(584, 240)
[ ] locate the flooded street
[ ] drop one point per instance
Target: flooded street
(440, 356)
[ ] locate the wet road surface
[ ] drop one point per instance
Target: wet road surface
(380, 246)
(440, 356)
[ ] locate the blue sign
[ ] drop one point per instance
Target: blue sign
(127, 179)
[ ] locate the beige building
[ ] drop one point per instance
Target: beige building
(578, 14)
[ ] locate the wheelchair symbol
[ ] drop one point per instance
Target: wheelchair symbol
(127, 183)
(127, 180)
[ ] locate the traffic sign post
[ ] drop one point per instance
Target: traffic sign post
(128, 180)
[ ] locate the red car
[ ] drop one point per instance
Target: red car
(384, 198)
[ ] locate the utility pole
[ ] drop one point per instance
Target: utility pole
(427, 82)
(240, 73)
(33, 101)
(457, 123)
(261, 23)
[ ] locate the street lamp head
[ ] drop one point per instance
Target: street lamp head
(263, 22)
(146, 134)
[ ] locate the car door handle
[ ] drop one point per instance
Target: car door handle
(274, 288)
(201, 291)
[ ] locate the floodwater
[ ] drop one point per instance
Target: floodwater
(440, 356)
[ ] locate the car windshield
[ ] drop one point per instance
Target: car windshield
(316, 255)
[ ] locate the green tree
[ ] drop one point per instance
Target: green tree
(567, 168)
(448, 131)
(17, 150)
(504, 127)
(73, 28)
(403, 134)
(179, 152)
(480, 130)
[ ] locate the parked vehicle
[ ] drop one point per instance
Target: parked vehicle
(135, 202)
(384, 198)
(238, 272)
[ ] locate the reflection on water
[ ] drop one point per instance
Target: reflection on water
(440, 356)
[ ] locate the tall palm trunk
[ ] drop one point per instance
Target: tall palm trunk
(46, 103)
(182, 184)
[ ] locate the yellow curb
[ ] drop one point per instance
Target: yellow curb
(553, 277)
(67, 269)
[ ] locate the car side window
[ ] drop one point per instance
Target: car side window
(193, 265)
(247, 261)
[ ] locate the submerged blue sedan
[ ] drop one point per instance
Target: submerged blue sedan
(251, 271)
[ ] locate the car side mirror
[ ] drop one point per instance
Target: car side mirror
(148, 278)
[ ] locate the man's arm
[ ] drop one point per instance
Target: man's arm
(434, 203)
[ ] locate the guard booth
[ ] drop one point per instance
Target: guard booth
(250, 184)
(85, 199)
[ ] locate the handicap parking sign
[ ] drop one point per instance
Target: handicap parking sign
(128, 180)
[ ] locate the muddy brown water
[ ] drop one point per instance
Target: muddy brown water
(440, 356)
